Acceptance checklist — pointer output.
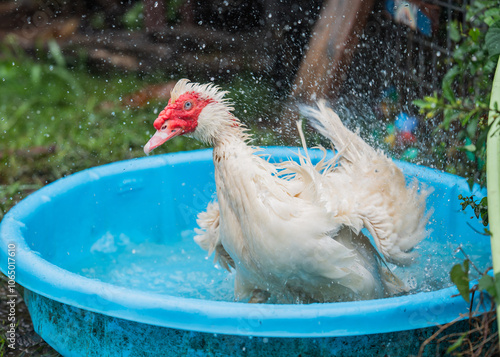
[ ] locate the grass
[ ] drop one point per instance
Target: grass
(52, 122)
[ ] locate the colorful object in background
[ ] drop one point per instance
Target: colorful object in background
(406, 123)
(415, 14)
(401, 128)
(406, 137)
(409, 154)
(406, 126)
(402, 132)
(391, 137)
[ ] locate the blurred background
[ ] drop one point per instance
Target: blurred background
(81, 82)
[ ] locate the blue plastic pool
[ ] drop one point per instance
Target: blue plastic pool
(109, 267)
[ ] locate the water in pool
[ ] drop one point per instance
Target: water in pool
(183, 269)
(180, 268)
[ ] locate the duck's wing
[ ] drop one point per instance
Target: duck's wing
(207, 236)
(366, 253)
(367, 186)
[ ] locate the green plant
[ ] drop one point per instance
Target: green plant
(480, 209)
(479, 336)
(462, 105)
(134, 18)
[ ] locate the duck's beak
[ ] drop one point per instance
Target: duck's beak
(160, 137)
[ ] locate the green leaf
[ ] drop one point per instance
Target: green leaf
(470, 182)
(449, 116)
(487, 283)
(469, 148)
(457, 343)
(497, 284)
(447, 85)
(36, 73)
(454, 31)
(492, 39)
(133, 18)
(23, 108)
(474, 34)
(56, 53)
(460, 277)
(494, 12)
(423, 103)
(67, 76)
(471, 124)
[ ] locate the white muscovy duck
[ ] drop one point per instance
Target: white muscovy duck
(293, 230)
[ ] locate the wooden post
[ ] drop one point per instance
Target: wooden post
(331, 47)
(154, 15)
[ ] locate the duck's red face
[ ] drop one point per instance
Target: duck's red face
(179, 117)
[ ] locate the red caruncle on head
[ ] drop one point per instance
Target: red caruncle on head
(179, 117)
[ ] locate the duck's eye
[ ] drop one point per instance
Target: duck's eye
(188, 105)
(164, 126)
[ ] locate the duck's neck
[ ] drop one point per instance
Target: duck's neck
(233, 149)
(234, 170)
(235, 165)
(234, 162)
(234, 133)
